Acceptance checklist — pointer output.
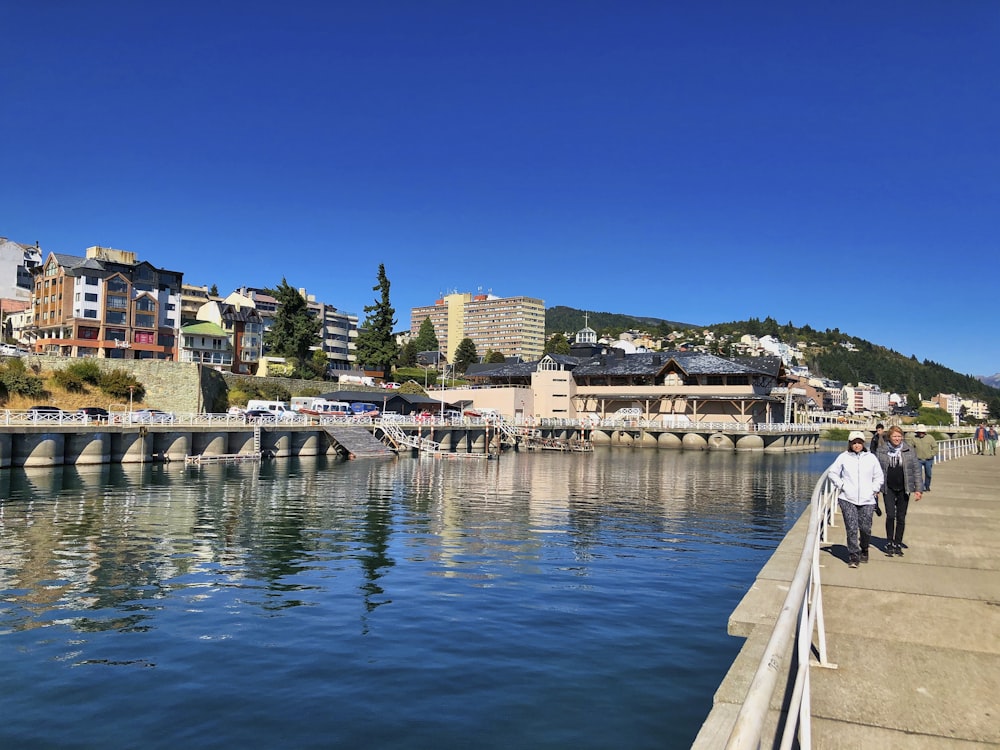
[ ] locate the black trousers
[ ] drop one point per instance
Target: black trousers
(896, 503)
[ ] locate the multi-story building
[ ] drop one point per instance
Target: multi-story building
(192, 298)
(339, 333)
(242, 328)
(865, 397)
(513, 326)
(16, 264)
(106, 304)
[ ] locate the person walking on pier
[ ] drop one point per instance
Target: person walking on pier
(981, 440)
(857, 475)
(991, 440)
(902, 479)
(926, 447)
(876, 438)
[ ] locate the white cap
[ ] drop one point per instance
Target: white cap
(855, 436)
(921, 428)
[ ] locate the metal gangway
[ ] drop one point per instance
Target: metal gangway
(398, 437)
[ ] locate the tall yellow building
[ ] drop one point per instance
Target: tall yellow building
(513, 326)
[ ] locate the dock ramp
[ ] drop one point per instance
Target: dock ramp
(356, 442)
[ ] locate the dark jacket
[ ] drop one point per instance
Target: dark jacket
(912, 477)
(876, 440)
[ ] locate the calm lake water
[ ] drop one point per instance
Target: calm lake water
(539, 601)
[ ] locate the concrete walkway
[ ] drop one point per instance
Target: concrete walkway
(916, 639)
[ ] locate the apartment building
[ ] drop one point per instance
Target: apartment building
(242, 328)
(513, 326)
(338, 332)
(105, 304)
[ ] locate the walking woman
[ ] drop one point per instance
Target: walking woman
(858, 477)
(902, 479)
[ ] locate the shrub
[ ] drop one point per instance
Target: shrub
(86, 370)
(69, 381)
(121, 385)
(16, 379)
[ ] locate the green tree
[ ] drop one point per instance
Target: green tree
(377, 348)
(557, 344)
(317, 365)
(407, 355)
(295, 330)
(494, 357)
(465, 355)
(213, 291)
(426, 340)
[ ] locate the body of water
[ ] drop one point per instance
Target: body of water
(540, 601)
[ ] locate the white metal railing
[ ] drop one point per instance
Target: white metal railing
(803, 604)
(954, 448)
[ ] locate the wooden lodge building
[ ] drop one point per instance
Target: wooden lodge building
(673, 388)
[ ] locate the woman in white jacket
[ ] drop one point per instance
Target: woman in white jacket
(857, 474)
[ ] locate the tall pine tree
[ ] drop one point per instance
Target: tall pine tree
(294, 330)
(377, 348)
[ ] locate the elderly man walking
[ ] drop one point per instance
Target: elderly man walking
(926, 447)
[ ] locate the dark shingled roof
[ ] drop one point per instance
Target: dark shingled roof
(641, 363)
(691, 363)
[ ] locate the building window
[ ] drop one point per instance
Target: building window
(89, 296)
(145, 321)
(145, 304)
(90, 313)
(117, 286)
(144, 337)
(117, 303)
(115, 318)
(90, 280)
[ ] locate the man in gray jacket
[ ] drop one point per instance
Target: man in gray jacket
(902, 479)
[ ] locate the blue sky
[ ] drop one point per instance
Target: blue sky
(829, 163)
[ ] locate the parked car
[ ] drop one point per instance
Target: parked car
(152, 416)
(46, 411)
(391, 386)
(93, 413)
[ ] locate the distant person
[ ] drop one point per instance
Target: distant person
(981, 440)
(926, 447)
(876, 438)
(857, 475)
(991, 440)
(902, 479)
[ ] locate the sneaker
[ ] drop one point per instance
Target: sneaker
(889, 549)
(852, 561)
(864, 555)
(899, 551)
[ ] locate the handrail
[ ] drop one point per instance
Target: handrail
(804, 603)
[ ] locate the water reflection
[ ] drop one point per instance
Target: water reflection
(463, 563)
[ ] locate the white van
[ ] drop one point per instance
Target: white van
(280, 408)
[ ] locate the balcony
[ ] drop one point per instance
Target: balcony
(215, 359)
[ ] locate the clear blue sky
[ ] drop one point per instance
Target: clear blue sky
(829, 163)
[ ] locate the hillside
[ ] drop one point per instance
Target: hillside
(826, 354)
(561, 319)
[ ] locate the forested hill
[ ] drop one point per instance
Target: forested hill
(561, 319)
(825, 352)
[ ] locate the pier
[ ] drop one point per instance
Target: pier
(912, 643)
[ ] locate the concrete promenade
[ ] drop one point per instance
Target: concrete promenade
(916, 639)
